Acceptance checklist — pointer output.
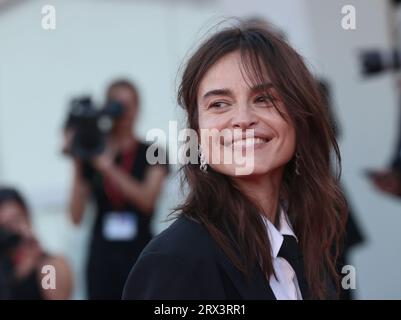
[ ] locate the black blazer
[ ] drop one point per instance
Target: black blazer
(184, 262)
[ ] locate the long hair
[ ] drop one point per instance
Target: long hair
(315, 204)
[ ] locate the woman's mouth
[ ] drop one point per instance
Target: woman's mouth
(248, 143)
(251, 142)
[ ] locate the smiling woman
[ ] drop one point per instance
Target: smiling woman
(238, 105)
(268, 233)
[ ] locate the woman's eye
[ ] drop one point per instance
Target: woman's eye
(264, 99)
(218, 105)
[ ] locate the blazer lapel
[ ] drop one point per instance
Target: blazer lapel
(256, 287)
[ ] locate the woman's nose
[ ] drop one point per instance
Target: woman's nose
(244, 118)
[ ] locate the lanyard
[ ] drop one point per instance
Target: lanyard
(112, 191)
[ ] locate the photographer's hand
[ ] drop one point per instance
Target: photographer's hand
(103, 162)
(388, 182)
(141, 193)
(26, 257)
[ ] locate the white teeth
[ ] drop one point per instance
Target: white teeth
(248, 142)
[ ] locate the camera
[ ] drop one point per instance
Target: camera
(375, 61)
(8, 241)
(89, 125)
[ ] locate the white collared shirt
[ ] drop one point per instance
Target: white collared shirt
(285, 287)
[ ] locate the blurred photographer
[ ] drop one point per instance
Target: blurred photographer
(375, 61)
(124, 188)
(22, 258)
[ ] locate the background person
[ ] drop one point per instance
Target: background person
(125, 189)
(22, 257)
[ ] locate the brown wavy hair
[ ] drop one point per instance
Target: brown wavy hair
(316, 206)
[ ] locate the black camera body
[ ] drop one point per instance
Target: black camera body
(8, 241)
(89, 126)
(376, 61)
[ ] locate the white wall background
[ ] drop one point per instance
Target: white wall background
(96, 41)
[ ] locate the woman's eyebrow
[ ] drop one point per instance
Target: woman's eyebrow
(262, 87)
(217, 92)
(228, 92)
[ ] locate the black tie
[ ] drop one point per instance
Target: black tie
(290, 251)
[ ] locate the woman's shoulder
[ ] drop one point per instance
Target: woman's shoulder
(183, 238)
(177, 264)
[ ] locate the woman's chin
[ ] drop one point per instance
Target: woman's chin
(244, 171)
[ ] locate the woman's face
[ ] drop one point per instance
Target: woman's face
(14, 218)
(128, 99)
(229, 103)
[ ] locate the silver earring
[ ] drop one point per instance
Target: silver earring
(203, 163)
(297, 156)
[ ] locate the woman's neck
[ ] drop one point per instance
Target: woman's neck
(264, 190)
